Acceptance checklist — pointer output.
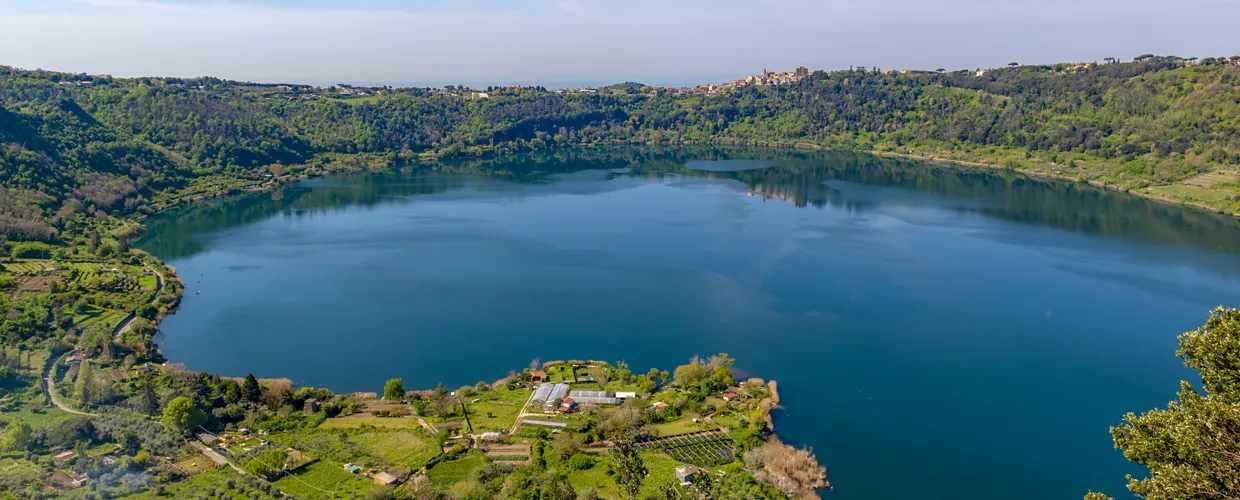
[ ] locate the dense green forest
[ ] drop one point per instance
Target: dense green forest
(71, 143)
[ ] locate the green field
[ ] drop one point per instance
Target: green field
(218, 478)
(407, 448)
(149, 282)
(381, 422)
(196, 464)
(662, 470)
(682, 426)
(19, 467)
(103, 449)
(37, 418)
(324, 475)
(497, 409)
(28, 267)
(93, 316)
(445, 474)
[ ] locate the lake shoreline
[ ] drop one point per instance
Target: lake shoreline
(1048, 175)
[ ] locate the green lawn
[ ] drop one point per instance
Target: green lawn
(102, 449)
(381, 422)
(149, 282)
(728, 420)
(446, 474)
(324, 475)
(497, 410)
(196, 464)
(37, 418)
(682, 426)
(661, 468)
(408, 448)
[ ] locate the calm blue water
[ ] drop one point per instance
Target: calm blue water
(937, 334)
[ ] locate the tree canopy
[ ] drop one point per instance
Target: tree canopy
(183, 415)
(1192, 447)
(394, 390)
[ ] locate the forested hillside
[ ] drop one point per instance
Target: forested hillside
(82, 143)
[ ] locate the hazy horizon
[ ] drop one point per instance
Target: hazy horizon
(562, 43)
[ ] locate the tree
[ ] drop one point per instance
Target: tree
(148, 311)
(85, 383)
(1013, 64)
(148, 400)
(690, 375)
(18, 436)
(251, 392)
(182, 415)
(394, 390)
(630, 468)
(1192, 447)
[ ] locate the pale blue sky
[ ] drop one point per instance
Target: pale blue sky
(573, 42)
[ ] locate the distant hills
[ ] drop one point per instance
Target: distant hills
(73, 143)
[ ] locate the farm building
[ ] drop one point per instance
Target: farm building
(491, 436)
(384, 479)
(538, 376)
(626, 395)
(313, 405)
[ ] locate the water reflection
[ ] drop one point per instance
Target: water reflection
(853, 182)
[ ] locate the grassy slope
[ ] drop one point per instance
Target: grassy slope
(444, 474)
(325, 475)
(661, 469)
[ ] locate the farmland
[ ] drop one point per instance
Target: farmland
(321, 479)
(444, 474)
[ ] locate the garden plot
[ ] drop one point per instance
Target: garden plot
(704, 449)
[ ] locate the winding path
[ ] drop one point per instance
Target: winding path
(49, 388)
(49, 385)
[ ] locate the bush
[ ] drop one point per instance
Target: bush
(579, 462)
(32, 250)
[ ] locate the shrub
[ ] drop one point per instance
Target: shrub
(31, 250)
(579, 462)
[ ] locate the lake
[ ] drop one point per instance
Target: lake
(936, 333)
